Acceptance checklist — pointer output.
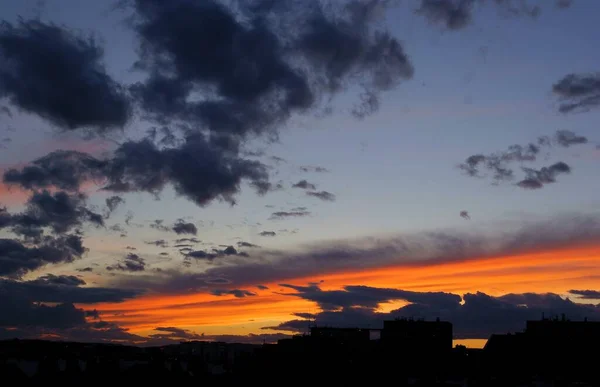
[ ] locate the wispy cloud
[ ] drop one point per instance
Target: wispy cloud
(500, 166)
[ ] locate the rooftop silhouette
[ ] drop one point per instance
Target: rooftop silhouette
(411, 351)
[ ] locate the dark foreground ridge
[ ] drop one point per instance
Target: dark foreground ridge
(549, 352)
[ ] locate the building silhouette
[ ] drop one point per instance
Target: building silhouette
(341, 335)
(554, 348)
(418, 335)
(548, 352)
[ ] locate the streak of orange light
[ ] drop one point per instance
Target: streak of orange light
(471, 343)
(548, 271)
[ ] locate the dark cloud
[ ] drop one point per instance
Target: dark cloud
(289, 214)
(54, 73)
(567, 138)
(310, 168)
(478, 316)
(66, 170)
(131, 262)
(368, 297)
(22, 313)
(523, 8)
(278, 159)
(129, 218)
(310, 316)
(217, 281)
(586, 294)
(91, 332)
(182, 227)
(163, 136)
(118, 228)
(174, 334)
(158, 224)
(60, 212)
(535, 179)
(262, 287)
(258, 73)
(18, 258)
(255, 153)
(304, 185)
(6, 111)
(238, 293)
(87, 269)
(323, 195)
(458, 14)
(113, 202)
(191, 240)
(497, 162)
(267, 233)
(68, 280)
(247, 244)
(201, 254)
(263, 187)
(578, 92)
(230, 250)
(158, 243)
(64, 289)
(500, 164)
(564, 3)
(5, 217)
(452, 14)
(198, 169)
(215, 253)
(93, 314)
(172, 281)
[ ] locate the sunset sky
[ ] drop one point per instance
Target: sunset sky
(238, 170)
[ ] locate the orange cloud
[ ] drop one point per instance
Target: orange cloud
(548, 271)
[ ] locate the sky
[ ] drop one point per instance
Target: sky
(239, 170)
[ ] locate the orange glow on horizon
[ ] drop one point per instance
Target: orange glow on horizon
(550, 271)
(470, 343)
